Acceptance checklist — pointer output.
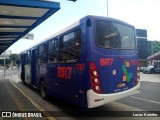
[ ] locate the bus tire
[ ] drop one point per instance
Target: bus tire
(43, 90)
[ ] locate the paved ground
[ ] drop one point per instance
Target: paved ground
(150, 77)
(148, 99)
(12, 100)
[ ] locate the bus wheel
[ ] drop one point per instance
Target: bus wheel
(43, 91)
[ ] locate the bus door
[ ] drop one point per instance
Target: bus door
(33, 68)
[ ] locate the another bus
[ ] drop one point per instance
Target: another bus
(90, 63)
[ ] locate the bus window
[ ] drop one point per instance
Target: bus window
(42, 48)
(68, 40)
(42, 54)
(28, 57)
(53, 51)
(51, 45)
(114, 35)
(24, 58)
(71, 46)
(78, 39)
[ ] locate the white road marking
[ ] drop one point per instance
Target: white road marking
(145, 100)
(33, 102)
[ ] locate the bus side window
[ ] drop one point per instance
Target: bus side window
(53, 51)
(42, 54)
(24, 58)
(70, 47)
(27, 57)
(78, 37)
(42, 48)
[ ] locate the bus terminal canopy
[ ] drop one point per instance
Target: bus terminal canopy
(19, 17)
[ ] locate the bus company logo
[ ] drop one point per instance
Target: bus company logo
(6, 114)
(106, 61)
(64, 72)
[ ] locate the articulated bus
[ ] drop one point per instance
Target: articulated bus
(90, 63)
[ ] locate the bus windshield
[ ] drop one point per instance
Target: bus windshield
(113, 35)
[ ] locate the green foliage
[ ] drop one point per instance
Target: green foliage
(13, 57)
(7, 61)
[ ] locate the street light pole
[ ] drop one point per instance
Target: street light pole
(4, 64)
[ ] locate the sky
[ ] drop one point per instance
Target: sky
(143, 14)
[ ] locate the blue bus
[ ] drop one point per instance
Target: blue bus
(90, 63)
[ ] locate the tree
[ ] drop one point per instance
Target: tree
(7, 62)
(13, 57)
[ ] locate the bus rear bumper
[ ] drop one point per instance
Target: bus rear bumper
(95, 100)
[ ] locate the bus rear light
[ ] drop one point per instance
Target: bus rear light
(94, 77)
(96, 80)
(97, 88)
(94, 73)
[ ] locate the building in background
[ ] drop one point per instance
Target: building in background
(148, 51)
(153, 47)
(154, 52)
(7, 54)
(142, 41)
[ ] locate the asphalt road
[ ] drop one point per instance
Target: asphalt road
(148, 99)
(25, 98)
